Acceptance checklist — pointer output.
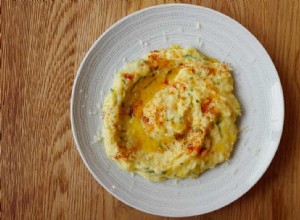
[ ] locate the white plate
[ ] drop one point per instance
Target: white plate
(257, 87)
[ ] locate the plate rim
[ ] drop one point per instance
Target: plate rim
(79, 71)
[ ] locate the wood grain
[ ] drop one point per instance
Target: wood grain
(42, 45)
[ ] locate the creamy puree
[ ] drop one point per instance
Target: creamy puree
(171, 114)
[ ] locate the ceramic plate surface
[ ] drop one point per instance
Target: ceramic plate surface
(257, 87)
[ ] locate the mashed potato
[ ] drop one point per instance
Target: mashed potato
(171, 114)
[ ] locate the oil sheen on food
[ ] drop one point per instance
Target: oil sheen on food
(171, 114)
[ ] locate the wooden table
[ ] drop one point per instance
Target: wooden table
(43, 43)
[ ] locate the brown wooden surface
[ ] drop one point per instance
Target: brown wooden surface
(42, 45)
